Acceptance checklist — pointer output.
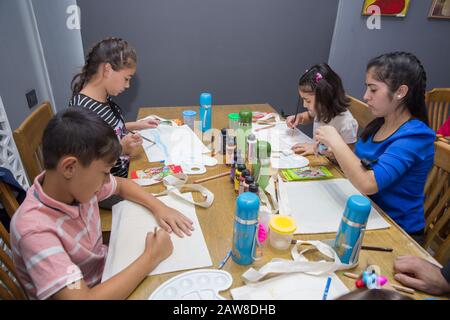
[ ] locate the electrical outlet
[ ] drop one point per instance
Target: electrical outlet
(31, 98)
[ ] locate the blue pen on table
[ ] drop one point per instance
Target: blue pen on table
(222, 263)
(327, 287)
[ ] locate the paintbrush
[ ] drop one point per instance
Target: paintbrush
(146, 139)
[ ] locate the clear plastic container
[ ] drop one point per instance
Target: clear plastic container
(282, 230)
(233, 123)
(189, 118)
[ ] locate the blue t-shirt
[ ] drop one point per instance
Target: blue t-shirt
(403, 162)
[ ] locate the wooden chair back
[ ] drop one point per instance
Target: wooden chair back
(360, 112)
(10, 287)
(28, 138)
(8, 199)
(438, 104)
(437, 204)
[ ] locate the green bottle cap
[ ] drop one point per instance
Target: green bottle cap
(245, 116)
(233, 116)
(264, 149)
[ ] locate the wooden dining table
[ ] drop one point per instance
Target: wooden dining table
(217, 221)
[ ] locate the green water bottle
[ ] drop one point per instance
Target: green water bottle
(245, 128)
(262, 167)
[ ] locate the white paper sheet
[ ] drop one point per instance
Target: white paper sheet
(173, 145)
(296, 286)
(130, 225)
(317, 206)
(280, 137)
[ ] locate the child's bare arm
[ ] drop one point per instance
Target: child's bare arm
(158, 247)
(302, 118)
(169, 219)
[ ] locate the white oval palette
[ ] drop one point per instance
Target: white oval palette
(202, 284)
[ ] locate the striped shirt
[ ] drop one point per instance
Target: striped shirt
(111, 113)
(55, 244)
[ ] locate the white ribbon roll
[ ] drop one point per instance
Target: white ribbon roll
(174, 184)
(299, 263)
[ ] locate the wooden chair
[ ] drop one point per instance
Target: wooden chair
(8, 199)
(10, 287)
(360, 112)
(438, 104)
(437, 204)
(28, 138)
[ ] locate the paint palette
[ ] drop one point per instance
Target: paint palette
(202, 284)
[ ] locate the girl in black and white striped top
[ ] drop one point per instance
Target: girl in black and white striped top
(109, 67)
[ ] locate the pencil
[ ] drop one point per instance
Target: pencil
(264, 128)
(327, 287)
(296, 113)
(222, 263)
(403, 289)
(374, 248)
(351, 275)
(223, 174)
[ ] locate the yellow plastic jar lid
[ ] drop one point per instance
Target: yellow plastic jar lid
(282, 224)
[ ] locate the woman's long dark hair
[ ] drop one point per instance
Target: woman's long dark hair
(326, 85)
(114, 51)
(397, 69)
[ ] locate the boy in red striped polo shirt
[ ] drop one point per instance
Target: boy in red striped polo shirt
(56, 236)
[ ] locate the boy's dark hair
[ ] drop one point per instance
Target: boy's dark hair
(80, 133)
(114, 51)
(326, 85)
(373, 294)
(396, 69)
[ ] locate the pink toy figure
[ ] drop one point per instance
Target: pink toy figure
(371, 278)
(262, 233)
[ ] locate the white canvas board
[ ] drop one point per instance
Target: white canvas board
(130, 225)
(294, 286)
(317, 206)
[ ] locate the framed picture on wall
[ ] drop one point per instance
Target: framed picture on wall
(396, 8)
(440, 9)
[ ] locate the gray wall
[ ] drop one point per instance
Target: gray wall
(37, 52)
(243, 51)
(63, 47)
(354, 44)
(20, 67)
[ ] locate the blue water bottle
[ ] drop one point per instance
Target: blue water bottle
(205, 111)
(351, 230)
(245, 228)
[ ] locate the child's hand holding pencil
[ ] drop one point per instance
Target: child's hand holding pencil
(158, 246)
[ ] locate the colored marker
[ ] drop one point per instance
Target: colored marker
(221, 264)
(327, 287)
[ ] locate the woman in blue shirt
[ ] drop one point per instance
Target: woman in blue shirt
(396, 150)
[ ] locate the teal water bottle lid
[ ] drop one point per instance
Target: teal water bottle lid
(233, 116)
(358, 209)
(247, 206)
(205, 99)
